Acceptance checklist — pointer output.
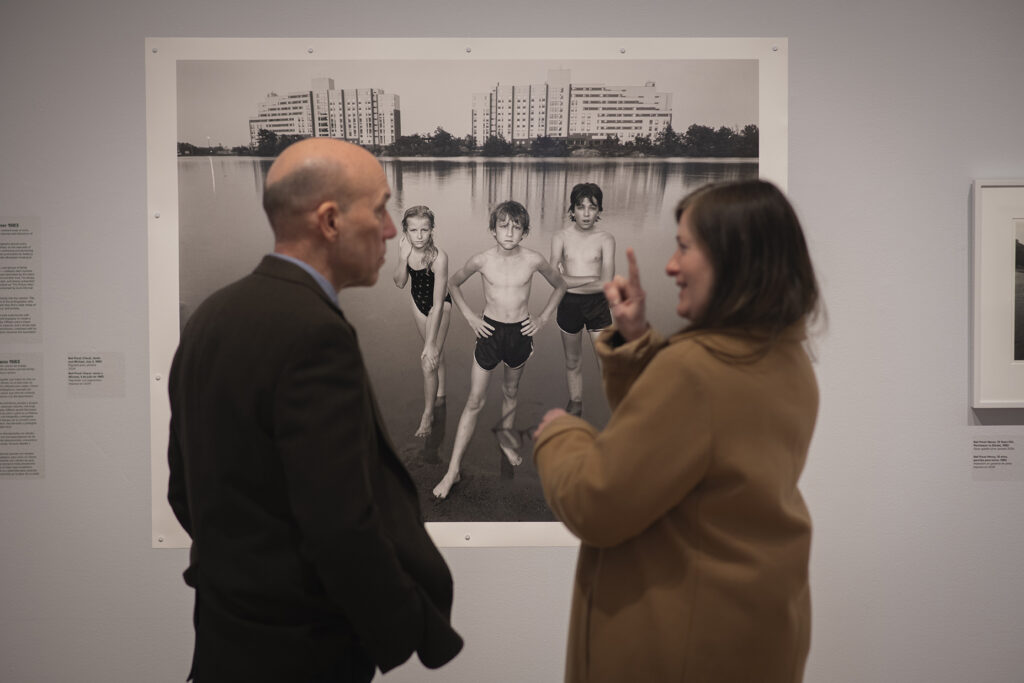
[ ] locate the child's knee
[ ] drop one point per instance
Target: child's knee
(475, 403)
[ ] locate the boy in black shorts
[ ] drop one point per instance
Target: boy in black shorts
(505, 330)
(585, 257)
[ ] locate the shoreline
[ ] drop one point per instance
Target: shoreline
(512, 159)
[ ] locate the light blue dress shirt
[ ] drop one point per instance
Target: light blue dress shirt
(328, 288)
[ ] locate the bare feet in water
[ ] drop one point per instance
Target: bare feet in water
(425, 422)
(442, 490)
(509, 442)
(428, 417)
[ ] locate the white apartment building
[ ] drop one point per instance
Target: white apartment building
(558, 103)
(366, 116)
(480, 126)
(627, 111)
(562, 109)
(289, 114)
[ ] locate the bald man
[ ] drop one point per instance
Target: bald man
(309, 556)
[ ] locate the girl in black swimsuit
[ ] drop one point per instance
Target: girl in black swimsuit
(427, 265)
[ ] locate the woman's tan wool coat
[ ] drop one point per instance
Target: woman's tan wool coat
(694, 536)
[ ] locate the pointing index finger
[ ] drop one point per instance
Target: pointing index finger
(634, 271)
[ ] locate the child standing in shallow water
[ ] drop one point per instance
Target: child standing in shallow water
(505, 328)
(585, 257)
(427, 265)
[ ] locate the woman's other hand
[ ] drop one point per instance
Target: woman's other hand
(546, 420)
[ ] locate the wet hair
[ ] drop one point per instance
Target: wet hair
(583, 191)
(515, 212)
(763, 278)
(422, 211)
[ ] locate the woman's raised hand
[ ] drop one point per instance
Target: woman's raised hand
(626, 298)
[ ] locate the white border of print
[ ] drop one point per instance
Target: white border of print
(997, 380)
(162, 55)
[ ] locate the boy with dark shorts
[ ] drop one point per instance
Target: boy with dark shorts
(505, 330)
(506, 344)
(585, 257)
(578, 310)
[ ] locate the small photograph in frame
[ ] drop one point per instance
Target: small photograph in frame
(1018, 291)
(997, 284)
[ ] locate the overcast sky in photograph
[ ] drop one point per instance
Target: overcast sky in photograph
(217, 98)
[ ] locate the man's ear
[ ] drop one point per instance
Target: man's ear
(328, 220)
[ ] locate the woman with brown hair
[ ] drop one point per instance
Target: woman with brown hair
(694, 536)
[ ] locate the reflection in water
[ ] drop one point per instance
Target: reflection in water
(259, 175)
(633, 187)
(224, 234)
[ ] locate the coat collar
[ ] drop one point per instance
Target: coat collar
(280, 269)
(741, 342)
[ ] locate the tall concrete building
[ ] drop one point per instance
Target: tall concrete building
(559, 90)
(366, 116)
(481, 125)
(561, 109)
(598, 112)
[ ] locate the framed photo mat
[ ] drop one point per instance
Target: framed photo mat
(997, 294)
(162, 59)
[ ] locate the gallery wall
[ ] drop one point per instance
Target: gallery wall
(895, 106)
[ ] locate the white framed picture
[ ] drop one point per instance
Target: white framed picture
(997, 283)
(459, 124)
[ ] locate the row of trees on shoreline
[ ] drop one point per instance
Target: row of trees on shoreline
(697, 142)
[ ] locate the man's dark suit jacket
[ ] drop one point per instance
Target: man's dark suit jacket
(308, 544)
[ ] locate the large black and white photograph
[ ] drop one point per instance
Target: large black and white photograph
(566, 161)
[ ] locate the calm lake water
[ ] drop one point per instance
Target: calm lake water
(223, 234)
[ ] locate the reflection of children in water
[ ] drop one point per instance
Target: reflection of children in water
(505, 330)
(420, 259)
(585, 257)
